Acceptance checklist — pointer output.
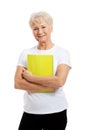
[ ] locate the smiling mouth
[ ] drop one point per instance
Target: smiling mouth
(41, 36)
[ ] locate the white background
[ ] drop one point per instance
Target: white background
(70, 31)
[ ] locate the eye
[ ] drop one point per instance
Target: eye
(43, 26)
(35, 29)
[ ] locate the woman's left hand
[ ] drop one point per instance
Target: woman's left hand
(26, 74)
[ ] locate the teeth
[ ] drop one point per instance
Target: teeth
(41, 36)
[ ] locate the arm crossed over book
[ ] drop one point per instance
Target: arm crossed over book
(40, 72)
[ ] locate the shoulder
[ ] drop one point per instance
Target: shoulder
(63, 56)
(28, 50)
(60, 50)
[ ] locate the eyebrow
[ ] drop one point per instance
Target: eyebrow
(40, 25)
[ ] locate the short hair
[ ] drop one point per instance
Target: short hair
(38, 16)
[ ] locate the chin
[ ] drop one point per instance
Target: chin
(42, 40)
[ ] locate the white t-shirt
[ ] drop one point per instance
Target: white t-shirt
(44, 103)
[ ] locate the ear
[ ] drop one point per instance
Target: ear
(51, 28)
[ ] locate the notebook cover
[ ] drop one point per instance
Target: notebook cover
(41, 65)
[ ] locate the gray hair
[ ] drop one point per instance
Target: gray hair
(38, 16)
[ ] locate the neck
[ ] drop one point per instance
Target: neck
(45, 46)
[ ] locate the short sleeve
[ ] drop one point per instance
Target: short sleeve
(65, 58)
(22, 59)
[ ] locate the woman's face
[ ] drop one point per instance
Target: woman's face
(42, 31)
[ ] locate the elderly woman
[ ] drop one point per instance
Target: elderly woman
(47, 109)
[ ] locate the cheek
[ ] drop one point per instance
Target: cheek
(34, 34)
(49, 30)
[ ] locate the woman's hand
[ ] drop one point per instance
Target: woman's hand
(26, 74)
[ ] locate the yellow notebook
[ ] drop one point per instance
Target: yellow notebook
(41, 65)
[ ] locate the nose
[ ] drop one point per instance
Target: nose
(39, 31)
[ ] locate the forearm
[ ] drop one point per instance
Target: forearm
(54, 82)
(29, 86)
(46, 81)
